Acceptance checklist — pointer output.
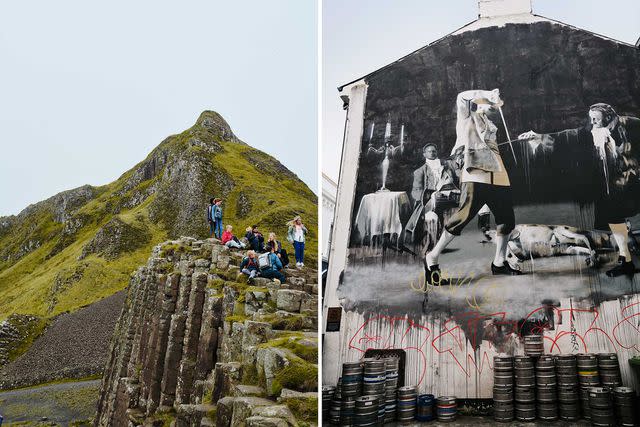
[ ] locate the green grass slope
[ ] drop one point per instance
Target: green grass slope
(81, 246)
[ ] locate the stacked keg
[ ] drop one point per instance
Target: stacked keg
(587, 378)
(350, 389)
(525, 396)
(623, 402)
(425, 409)
(328, 391)
(533, 345)
(347, 412)
(406, 409)
(391, 385)
(374, 381)
(609, 370)
(447, 408)
(335, 406)
(601, 407)
(503, 409)
(568, 395)
(366, 411)
(546, 388)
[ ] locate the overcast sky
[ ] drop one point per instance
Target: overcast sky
(360, 36)
(88, 89)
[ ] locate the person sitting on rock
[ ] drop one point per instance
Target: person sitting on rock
(280, 251)
(260, 238)
(249, 264)
(273, 270)
(231, 241)
(255, 238)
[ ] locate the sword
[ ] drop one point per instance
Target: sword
(516, 140)
(504, 123)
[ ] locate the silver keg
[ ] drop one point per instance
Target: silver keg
(366, 411)
(588, 370)
(547, 411)
(601, 406)
(446, 408)
(328, 391)
(623, 399)
(525, 411)
(609, 370)
(533, 345)
(406, 407)
(351, 379)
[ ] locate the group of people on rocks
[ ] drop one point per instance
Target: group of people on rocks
(267, 258)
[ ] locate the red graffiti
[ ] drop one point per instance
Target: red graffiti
(399, 328)
(625, 325)
(461, 335)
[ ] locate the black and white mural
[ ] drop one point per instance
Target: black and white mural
(497, 194)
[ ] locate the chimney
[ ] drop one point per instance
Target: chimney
(495, 8)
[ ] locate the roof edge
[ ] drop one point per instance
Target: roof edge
(461, 29)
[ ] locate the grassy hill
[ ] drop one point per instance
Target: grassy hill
(81, 245)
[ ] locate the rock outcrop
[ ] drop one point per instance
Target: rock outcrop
(196, 344)
(80, 246)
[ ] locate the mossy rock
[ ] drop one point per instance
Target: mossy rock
(299, 375)
(304, 409)
(292, 342)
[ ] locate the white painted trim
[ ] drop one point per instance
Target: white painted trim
(338, 251)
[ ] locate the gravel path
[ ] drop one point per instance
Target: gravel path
(59, 403)
(74, 346)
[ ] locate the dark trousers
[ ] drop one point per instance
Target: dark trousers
(284, 256)
(272, 274)
(473, 196)
(299, 250)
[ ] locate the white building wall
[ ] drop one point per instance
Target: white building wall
(329, 190)
(332, 342)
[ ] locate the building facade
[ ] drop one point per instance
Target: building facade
(564, 107)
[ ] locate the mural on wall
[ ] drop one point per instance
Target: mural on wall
(498, 194)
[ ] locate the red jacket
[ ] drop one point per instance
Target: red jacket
(226, 236)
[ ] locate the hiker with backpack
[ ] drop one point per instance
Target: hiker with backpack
(296, 236)
(270, 264)
(210, 218)
(280, 251)
(231, 241)
(249, 264)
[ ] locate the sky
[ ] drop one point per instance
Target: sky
(360, 36)
(88, 89)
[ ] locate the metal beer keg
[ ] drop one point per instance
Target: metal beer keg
(447, 408)
(533, 345)
(623, 399)
(406, 408)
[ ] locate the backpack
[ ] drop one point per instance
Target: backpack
(264, 261)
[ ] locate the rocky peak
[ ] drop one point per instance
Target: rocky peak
(213, 123)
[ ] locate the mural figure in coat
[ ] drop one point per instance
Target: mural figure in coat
(606, 156)
(435, 190)
(484, 179)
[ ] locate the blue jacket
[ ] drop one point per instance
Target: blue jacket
(217, 213)
(276, 264)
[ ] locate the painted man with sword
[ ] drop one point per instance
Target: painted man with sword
(605, 156)
(484, 180)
